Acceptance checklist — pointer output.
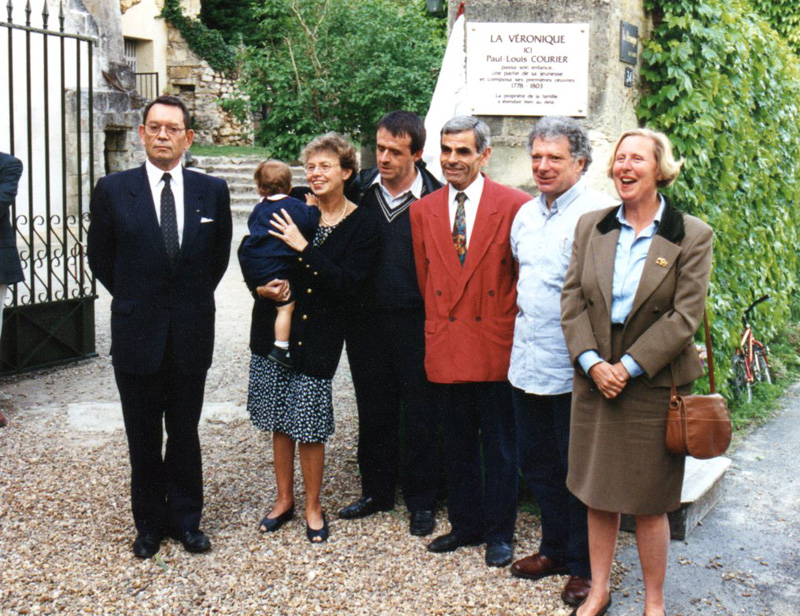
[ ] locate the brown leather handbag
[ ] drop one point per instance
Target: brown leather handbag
(699, 426)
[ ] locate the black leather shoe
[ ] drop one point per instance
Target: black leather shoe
(146, 545)
(361, 508)
(450, 542)
(422, 523)
(194, 541)
(269, 525)
(499, 554)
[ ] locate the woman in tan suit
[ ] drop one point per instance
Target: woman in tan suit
(633, 297)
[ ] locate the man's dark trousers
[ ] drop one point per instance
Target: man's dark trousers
(478, 422)
(385, 388)
(168, 493)
(162, 332)
(543, 446)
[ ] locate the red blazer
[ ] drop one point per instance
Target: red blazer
(469, 310)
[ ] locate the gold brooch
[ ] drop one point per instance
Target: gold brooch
(662, 262)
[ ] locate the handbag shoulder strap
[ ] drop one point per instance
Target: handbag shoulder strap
(709, 359)
(709, 353)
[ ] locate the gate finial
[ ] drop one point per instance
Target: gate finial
(45, 15)
(10, 9)
(61, 16)
(28, 13)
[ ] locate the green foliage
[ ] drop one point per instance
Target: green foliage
(784, 15)
(338, 65)
(725, 88)
(237, 107)
(233, 19)
(206, 43)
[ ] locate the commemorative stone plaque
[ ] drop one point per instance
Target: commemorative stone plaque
(523, 69)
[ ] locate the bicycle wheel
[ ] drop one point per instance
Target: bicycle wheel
(762, 371)
(741, 388)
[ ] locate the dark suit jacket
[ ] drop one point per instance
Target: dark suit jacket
(10, 172)
(669, 301)
(469, 310)
(127, 254)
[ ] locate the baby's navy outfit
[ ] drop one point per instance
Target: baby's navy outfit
(264, 257)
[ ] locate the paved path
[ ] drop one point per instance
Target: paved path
(745, 558)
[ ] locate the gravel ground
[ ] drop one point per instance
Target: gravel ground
(66, 528)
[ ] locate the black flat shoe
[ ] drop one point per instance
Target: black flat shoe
(318, 536)
(146, 545)
(602, 611)
(269, 525)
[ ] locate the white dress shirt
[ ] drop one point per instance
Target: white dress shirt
(473, 192)
(393, 202)
(155, 178)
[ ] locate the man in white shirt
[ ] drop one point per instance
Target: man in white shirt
(159, 241)
(467, 277)
(385, 342)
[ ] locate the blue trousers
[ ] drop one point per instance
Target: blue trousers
(542, 449)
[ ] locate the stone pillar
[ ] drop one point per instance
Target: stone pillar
(612, 105)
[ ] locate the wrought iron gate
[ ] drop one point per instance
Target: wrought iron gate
(47, 111)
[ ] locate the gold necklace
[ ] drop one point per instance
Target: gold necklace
(341, 218)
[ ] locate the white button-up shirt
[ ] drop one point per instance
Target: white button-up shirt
(393, 202)
(541, 241)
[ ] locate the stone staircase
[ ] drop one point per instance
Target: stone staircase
(238, 172)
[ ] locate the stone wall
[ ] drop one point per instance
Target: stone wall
(202, 88)
(612, 106)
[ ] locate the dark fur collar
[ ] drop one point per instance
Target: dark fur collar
(671, 226)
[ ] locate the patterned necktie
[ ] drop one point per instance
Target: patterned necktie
(169, 220)
(460, 228)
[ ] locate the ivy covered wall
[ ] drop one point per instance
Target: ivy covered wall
(725, 87)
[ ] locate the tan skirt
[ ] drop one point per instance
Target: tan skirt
(618, 460)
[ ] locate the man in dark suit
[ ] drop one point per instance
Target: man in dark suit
(10, 268)
(386, 344)
(467, 277)
(159, 241)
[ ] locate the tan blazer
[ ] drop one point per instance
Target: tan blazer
(669, 302)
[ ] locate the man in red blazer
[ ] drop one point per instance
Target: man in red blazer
(467, 277)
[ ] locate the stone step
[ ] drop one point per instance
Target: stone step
(238, 173)
(702, 488)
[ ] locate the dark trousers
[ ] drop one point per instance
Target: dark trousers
(387, 361)
(480, 458)
(166, 492)
(543, 446)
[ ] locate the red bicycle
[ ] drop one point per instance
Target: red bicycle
(750, 363)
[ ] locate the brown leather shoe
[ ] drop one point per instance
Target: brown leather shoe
(576, 590)
(536, 567)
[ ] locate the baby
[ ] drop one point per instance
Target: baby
(264, 257)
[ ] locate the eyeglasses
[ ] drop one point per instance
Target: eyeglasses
(155, 129)
(322, 167)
